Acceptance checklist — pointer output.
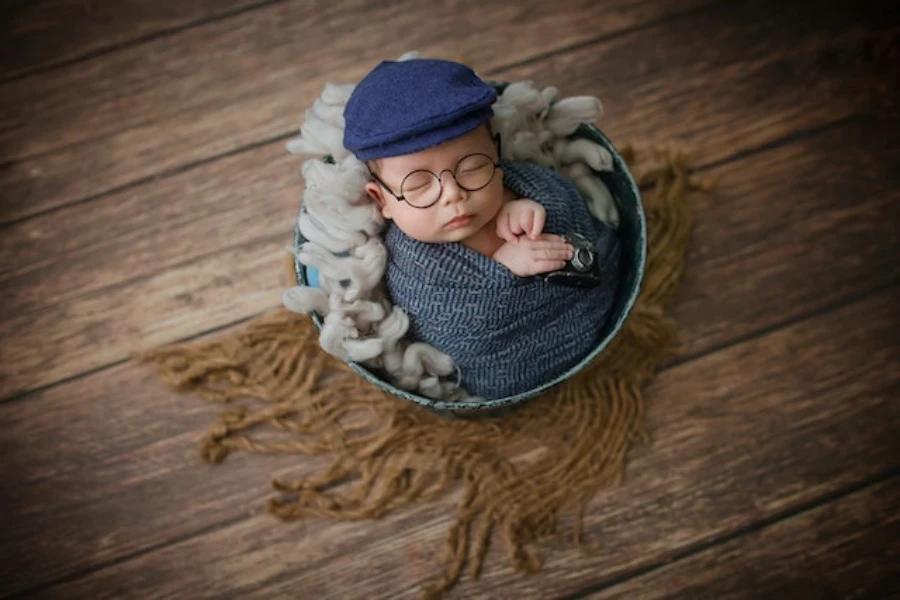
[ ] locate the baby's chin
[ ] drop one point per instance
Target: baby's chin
(444, 236)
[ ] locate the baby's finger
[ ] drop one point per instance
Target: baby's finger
(523, 223)
(503, 229)
(551, 237)
(514, 227)
(537, 226)
(558, 243)
(553, 253)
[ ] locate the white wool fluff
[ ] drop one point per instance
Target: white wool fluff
(342, 226)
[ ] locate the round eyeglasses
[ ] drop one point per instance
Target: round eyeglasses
(422, 188)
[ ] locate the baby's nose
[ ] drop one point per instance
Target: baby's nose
(452, 191)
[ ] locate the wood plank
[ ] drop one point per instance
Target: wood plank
(216, 88)
(704, 92)
(57, 257)
(25, 247)
(151, 298)
(41, 34)
(111, 470)
(739, 437)
(100, 329)
(788, 232)
(79, 251)
(844, 549)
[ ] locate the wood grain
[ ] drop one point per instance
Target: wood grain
(844, 549)
(213, 89)
(37, 34)
(749, 229)
(733, 120)
(107, 466)
(66, 267)
(739, 437)
(100, 329)
(790, 231)
(146, 197)
(84, 409)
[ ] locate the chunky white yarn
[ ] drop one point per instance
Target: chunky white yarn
(342, 226)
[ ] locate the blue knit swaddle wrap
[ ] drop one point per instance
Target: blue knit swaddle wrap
(507, 334)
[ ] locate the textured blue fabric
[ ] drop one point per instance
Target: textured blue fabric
(508, 334)
(406, 106)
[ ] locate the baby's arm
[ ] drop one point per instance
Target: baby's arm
(528, 251)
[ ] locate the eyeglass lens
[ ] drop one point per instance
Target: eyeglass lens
(423, 188)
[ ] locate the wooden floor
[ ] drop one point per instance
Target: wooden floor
(147, 197)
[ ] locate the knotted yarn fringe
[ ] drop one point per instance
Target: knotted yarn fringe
(519, 473)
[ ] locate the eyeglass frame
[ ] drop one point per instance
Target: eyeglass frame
(440, 177)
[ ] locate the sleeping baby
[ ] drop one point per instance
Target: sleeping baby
(499, 265)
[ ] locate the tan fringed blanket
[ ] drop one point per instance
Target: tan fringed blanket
(386, 453)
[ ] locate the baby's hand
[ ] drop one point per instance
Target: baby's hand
(520, 217)
(529, 257)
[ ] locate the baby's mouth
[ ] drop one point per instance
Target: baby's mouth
(460, 221)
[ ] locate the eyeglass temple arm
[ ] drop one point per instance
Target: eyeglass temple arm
(385, 186)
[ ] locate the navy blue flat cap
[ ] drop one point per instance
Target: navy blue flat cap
(402, 107)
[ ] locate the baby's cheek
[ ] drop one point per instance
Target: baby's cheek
(417, 226)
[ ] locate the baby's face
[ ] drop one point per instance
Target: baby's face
(457, 214)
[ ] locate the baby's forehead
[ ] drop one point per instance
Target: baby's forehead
(443, 155)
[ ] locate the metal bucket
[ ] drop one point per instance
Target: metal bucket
(633, 234)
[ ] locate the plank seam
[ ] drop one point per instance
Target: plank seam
(760, 525)
(663, 20)
(137, 41)
(122, 361)
(781, 142)
(846, 301)
(149, 179)
(122, 559)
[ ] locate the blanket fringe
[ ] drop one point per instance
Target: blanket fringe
(519, 473)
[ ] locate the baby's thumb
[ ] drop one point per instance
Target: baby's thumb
(504, 232)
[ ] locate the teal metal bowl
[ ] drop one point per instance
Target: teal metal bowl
(633, 232)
